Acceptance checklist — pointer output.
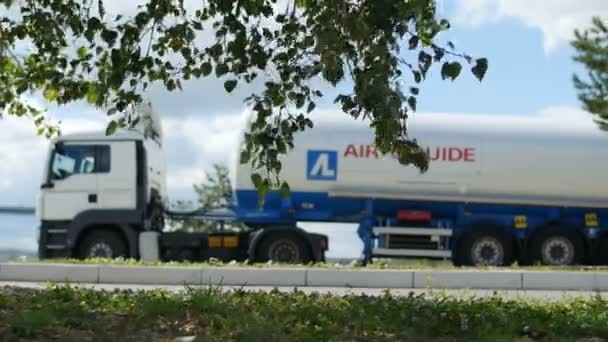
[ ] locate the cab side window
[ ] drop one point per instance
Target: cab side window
(80, 159)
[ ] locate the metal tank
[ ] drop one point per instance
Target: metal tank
(499, 159)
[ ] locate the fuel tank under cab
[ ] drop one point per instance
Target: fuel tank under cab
(498, 159)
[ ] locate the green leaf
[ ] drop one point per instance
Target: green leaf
(101, 8)
(171, 85)
(50, 93)
(450, 70)
(112, 126)
(91, 95)
(284, 190)
(206, 69)
(281, 147)
(299, 101)
(245, 157)
(256, 179)
(412, 102)
(439, 53)
(109, 36)
(413, 42)
(82, 52)
(417, 76)
(311, 107)
(425, 60)
(221, 70)
(230, 85)
(480, 68)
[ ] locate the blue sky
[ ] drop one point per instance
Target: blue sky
(530, 70)
(522, 78)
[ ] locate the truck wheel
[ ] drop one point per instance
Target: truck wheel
(102, 244)
(486, 249)
(558, 247)
(283, 248)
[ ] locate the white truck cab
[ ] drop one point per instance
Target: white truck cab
(105, 196)
(108, 185)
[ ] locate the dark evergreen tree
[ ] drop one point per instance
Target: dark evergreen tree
(592, 52)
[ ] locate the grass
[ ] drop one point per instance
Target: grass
(380, 264)
(67, 313)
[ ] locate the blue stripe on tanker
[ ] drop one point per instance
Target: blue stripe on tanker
(320, 207)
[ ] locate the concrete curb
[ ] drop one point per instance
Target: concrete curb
(145, 275)
(49, 272)
(305, 277)
(467, 279)
(247, 276)
(360, 278)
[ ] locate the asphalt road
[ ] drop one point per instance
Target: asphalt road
(340, 291)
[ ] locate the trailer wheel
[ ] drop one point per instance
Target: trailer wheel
(558, 247)
(486, 249)
(102, 244)
(283, 248)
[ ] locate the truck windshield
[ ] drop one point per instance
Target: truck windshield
(73, 159)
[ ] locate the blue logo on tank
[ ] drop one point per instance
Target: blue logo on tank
(322, 165)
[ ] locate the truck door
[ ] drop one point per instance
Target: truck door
(117, 185)
(72, 184)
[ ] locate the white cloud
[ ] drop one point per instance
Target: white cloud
(556, 19)
(569, 114)
(195, 143)
(22, 155)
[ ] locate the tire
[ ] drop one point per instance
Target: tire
(485, 248)
(102, 244)
(557, 247)
(283, 248)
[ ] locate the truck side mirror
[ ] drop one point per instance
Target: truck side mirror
(59, 147)
(47, 185)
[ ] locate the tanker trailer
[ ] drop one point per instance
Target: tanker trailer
(499, 189)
